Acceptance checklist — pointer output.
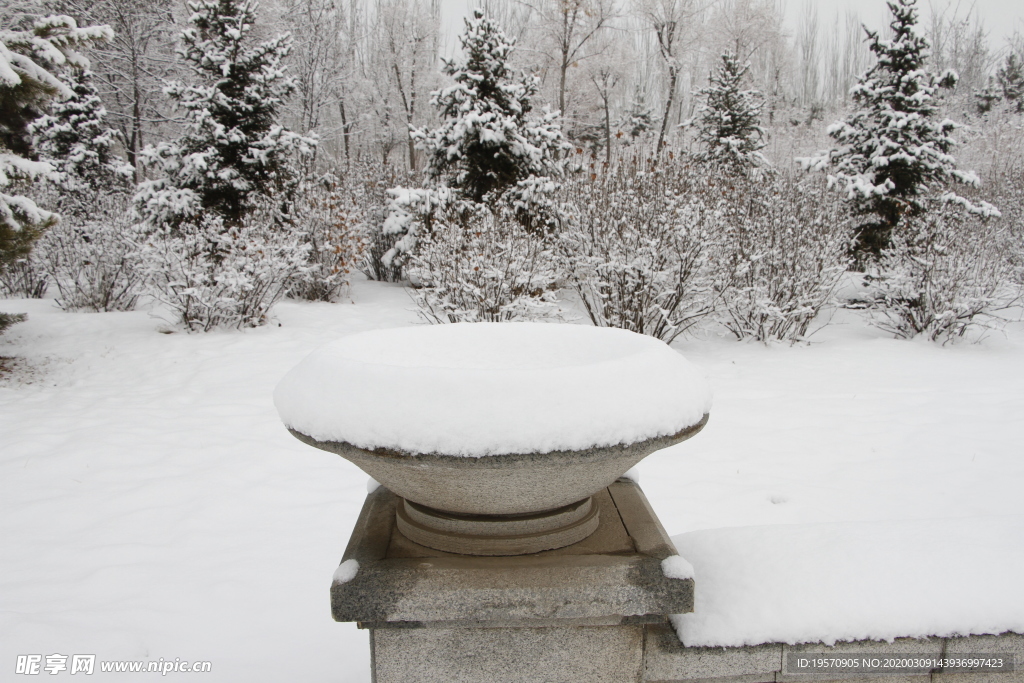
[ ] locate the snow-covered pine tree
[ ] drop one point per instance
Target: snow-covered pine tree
(30, 60)
(1011, 81)
(76, 141)
(639, 118)
(233, 151)
(987, 97)
(892, 149)
(487, 142)
(728, 126)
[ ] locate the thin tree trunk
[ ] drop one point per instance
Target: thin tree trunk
(344, 130)
(673, 75)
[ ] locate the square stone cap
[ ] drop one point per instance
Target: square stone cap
(612, 577)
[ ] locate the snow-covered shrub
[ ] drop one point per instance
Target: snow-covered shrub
(23, 278)
(786, 246)
(479, 265)
(410, 213)
(93, 258)
(638, 247)
(369, 184)
(329, 220)
(945, 273)
(214, 275)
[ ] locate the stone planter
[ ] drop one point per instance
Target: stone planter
(528, 498)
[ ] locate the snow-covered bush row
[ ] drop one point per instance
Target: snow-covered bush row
(211, 274)
(640, 244)
(476, 264)
(785, 247)
(331, 223)
(946, 273)
(94, 262)
(659, 250)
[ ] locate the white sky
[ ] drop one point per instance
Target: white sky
(999, 17)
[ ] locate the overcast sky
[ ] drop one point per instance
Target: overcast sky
(999, 17)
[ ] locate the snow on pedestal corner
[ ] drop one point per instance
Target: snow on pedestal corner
(676, 567)
(477, 389)
(346, 571)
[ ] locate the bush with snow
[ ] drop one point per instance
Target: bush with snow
(213, 275)
(639, 246)
(24, 278)
(369, 184)
(482, 265)
(330, 221)
(946, 273)
(785, 248)
(95, 261)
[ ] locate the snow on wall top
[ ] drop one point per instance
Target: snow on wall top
(806, 583)
(477, 389)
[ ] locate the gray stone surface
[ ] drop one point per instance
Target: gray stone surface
(668, 660)
(607, 578)
(574, 654)
(500, 484)
(1006, 644)
(498, 535)
(924, 647)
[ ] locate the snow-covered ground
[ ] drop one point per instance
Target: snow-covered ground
(152, 505)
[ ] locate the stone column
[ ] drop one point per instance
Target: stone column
(577, 613)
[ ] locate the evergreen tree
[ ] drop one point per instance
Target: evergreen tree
(987, 97)
(891, 149)
(729, 129)
(74, 139)
(30, 61)
(639, 118)
(233, 151)
(487, 143)
(1011, 81)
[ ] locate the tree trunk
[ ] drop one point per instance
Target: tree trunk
(673, 75)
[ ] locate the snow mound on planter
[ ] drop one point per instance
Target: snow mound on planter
(854, 580)
(476, 389)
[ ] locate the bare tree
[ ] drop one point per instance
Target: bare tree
(131, 69)
(960, 42)
(672, 22)
(407, 35)
(565, 27)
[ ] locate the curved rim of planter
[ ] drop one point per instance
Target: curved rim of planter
(345, 449)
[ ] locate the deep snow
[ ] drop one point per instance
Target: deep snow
(152, 504)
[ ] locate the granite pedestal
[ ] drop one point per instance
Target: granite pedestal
(578, 613)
